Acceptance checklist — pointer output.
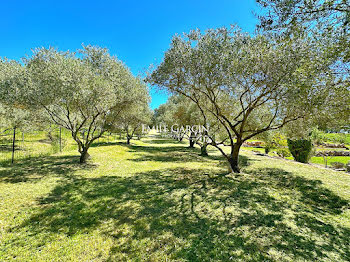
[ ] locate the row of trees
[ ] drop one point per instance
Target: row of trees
(87, 92)
(249, 85)
(293, 74)
(181, 112)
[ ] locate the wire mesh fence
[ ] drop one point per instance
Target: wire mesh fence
(17, 144)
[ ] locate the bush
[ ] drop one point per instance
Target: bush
(317, 136)
(337, 165)
(278, 142)
(300, 149)
(283, 152)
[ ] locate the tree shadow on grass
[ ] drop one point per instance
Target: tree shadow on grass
(35, 168)
(8, 148)
(99, 144)
(197, 215)
(160, 140)
(177, 154)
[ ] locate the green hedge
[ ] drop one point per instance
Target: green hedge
(300, 149)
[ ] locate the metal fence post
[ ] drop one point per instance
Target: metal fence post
(13, 145)
(60, 139)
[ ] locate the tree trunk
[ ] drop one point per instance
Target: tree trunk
(191, 141)
(204, 151)
(234, 157)
(267, 150)
(84, 155)
(128, 140)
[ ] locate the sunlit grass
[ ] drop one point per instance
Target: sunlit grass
(314, 159)
(158, 200)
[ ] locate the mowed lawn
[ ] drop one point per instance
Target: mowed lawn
(157, 200)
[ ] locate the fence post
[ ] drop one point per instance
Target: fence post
(60, 139)
(13, 145)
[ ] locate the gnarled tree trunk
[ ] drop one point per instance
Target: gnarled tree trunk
(192, 141)
(204, 151)
(233, 158)
(84, 155)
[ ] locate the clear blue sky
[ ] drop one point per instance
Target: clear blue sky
(138, 32)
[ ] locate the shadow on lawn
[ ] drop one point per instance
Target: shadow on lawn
(8, 148)
(35, 168)
(160, 140)
(98, 144)
(178, 153)
(268, 215)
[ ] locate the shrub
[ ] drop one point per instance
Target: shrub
(300, 149)
(337, 165)
(279, 143)
(283, 152)
(317, 136)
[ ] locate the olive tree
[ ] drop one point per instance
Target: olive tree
(328, 23)
(12, 114)
(80, 90)
(131, 122)
(182, 112)
(328, 15)
(249, 84)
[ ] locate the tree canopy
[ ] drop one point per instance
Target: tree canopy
(80, 91)
(249, 84)
(327, 22)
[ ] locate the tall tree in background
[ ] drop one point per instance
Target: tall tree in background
(184, 113)
(249, 84)
(13, 115)
(131, 121)
(323, 16)
(181, 112)
(327, 22)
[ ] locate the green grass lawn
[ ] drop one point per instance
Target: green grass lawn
(338, 138)
(157, 200)
(36, 143)
(320, 160)
(314, 159)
